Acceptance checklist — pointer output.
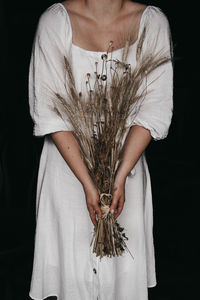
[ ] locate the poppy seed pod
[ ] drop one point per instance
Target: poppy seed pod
(104, 56)
(103, 77)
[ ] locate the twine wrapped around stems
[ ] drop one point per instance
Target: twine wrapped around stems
(105, 208)
(108, 237)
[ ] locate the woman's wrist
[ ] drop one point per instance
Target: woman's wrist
(87, 183)
(122, 172)
(120, 178)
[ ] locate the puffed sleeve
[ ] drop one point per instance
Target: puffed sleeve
(47, 75)
(156, 108)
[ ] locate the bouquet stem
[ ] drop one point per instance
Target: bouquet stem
(108, 238)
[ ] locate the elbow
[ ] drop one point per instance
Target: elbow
(157, 128)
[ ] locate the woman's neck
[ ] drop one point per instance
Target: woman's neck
(103, 9)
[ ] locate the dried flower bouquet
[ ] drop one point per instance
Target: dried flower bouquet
(99, 125)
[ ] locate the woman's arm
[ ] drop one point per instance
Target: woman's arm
(136, 142)
(70, 150)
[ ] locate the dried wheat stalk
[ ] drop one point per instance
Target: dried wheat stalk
(99, 125)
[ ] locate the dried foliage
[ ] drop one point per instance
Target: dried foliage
(99, 125)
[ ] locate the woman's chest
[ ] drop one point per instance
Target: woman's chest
(92, 68)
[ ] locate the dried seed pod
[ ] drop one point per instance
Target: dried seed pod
(103, 77)
(120, 229)
(104, 56)
(115, 235)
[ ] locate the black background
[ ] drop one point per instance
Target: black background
(173, 162)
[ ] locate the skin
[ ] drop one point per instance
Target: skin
(101, 15)
(95, 23)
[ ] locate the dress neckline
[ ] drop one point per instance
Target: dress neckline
(101, 52)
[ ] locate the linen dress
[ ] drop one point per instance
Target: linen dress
(64, 265)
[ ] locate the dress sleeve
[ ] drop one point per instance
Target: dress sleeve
(47, 75)
(155, 111)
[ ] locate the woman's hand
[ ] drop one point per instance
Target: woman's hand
(92, 201)
(118, 197)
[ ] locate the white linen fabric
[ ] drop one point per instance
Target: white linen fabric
(64, 265)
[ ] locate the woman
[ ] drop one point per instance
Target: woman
(67, 200)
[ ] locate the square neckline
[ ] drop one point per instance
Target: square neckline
(102, 52)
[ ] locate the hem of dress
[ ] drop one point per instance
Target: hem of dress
(34, 298)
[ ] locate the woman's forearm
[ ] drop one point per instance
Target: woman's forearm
(136, 141)
(70, 150)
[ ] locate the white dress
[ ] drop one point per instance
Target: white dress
(64, 265)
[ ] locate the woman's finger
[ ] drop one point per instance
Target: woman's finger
(114, 204)
(92, 216)
(98, 211)
(120, 207)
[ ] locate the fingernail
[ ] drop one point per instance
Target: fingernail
(112, 211)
